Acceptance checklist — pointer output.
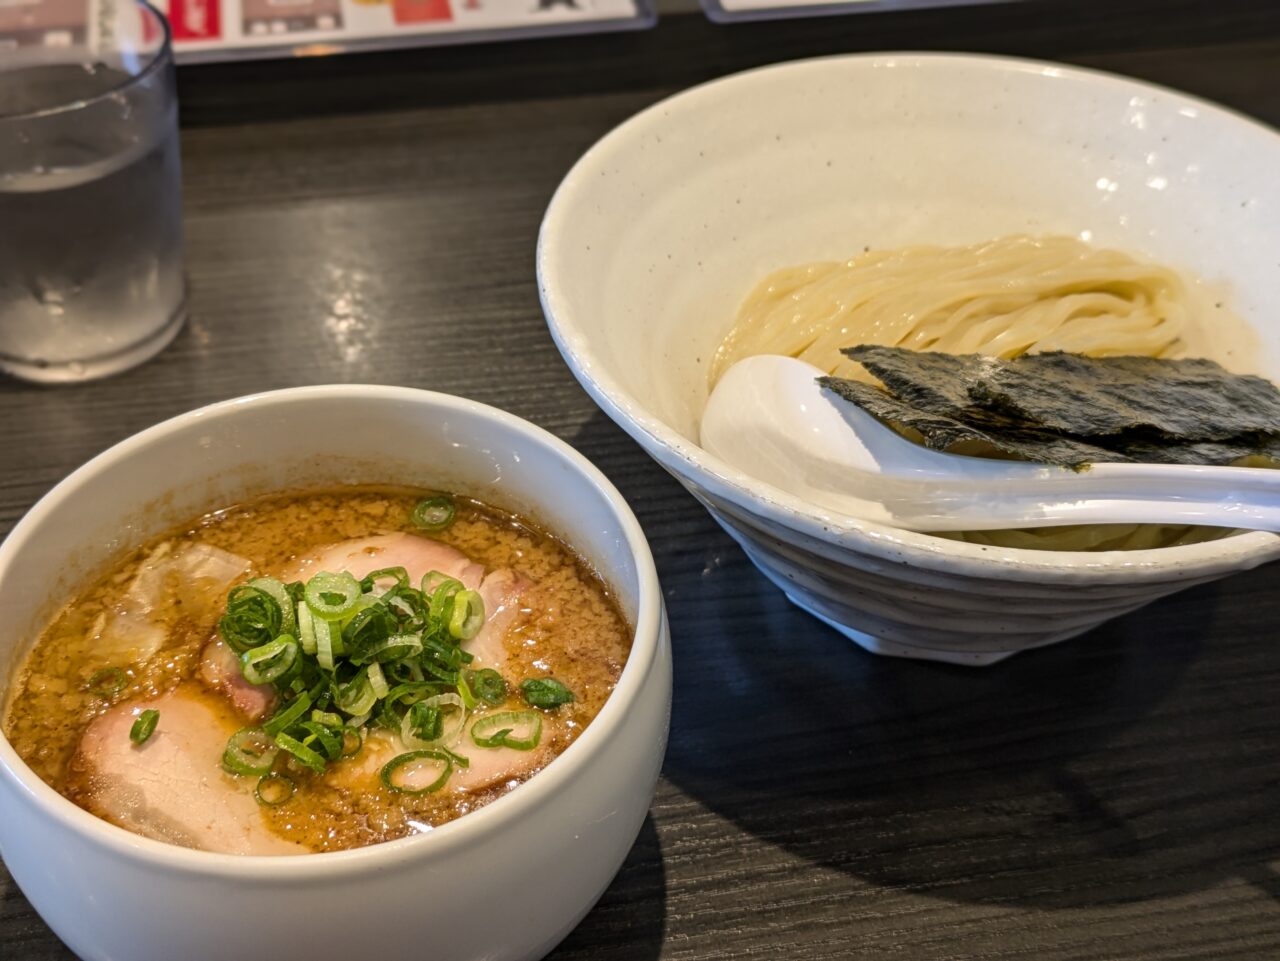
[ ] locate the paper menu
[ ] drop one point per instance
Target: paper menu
(206, 30)
(731, 10)
(26, 24)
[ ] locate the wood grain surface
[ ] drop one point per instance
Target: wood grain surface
(372, 219)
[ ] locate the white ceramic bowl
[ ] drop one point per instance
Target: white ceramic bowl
(657, 233)
(507, 881)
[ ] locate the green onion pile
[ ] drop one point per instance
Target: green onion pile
(344, 654)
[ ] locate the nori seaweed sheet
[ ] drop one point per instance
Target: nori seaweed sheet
(941, 432)
(1183, 400)
(1207, 452)
(1191, 400)
(927, 380)
(1048, 447)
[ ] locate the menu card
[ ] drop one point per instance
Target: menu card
(724, 11)
(206, 30)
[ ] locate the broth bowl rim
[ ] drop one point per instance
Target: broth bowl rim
(648, 637)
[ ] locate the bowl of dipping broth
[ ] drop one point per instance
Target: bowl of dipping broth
(326, 671)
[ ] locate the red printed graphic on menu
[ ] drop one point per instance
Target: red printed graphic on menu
(421, 11)
(195, 19)
(43, 23)
(150, 29)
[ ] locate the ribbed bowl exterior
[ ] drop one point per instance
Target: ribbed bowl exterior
(892, 606)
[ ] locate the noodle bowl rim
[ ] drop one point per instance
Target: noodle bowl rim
(834, 532)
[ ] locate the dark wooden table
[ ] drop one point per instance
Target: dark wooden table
(373, 219)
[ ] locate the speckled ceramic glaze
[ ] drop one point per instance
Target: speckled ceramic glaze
(657, 233)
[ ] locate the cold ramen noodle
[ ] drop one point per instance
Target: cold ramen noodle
(1005, 298)
(1002, 298)
(319, 671)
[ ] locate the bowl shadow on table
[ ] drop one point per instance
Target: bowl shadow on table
(1126, 765)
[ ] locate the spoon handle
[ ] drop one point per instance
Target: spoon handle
(1235, 497)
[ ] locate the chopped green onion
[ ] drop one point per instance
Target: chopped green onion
(433, 579)
(303, 754)
(107, 682)
(410, 671)
(425, 722)
(352, 741)
(267, 663)
(517, 729)
(441, 598)
(454, 712)
(443, 658)
(253, 618)
(545, 692)
(277, 589)
(370, 580)
(464, 692)
(343, 653)
(397, 647)
(324, 643)
(439, 675)
(329, 739)
(273, 789)
(433, 722)
(357, 696)
(249, 751)
(306, 629)
(409, 692)
(288, 715)
(372, 623)
(468, 615)
(363, 603)
(391, 714)
(397, 772)
(433, 514)
(406, 604)
(331, 596)
(488, 685)
(457, 759)
(144, 726)
(377, 680)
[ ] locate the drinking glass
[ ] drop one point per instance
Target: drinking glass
(90, 189)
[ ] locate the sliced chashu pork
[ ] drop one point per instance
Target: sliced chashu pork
(192, 579)
(501, 591)
(363, 555)
(220, 669)
(172, 787)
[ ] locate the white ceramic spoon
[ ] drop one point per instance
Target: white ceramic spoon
(768, 417)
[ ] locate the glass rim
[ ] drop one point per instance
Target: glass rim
(163, 55)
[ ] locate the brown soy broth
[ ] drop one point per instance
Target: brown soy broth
(568, 626)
